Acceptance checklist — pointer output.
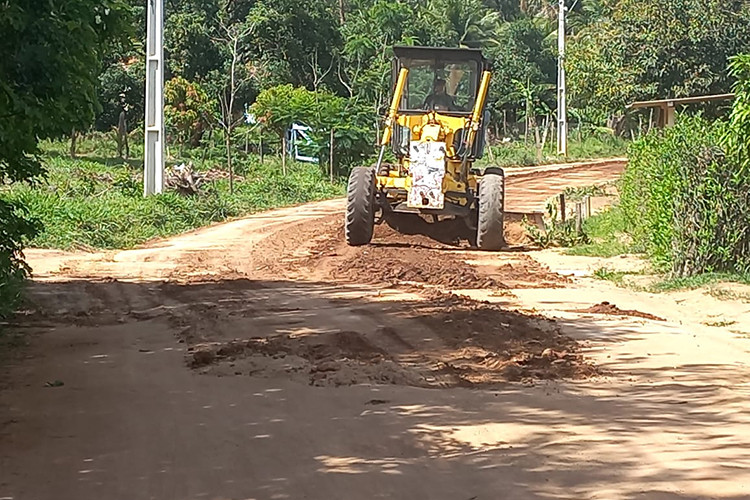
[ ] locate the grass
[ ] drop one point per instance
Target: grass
(608, 238)
(664, 284)
(719, 324)
(616, 277)
(606, 235)
(698, 281)
(521, 154)
(95, 200)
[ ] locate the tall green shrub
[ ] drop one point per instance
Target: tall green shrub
(687, 201)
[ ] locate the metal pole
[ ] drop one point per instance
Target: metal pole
(153, 166)
(330, 156)
(562, 109)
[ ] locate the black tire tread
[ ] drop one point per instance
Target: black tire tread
(360, 206)
(491, 208)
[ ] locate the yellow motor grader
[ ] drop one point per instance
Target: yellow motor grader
(436, 126)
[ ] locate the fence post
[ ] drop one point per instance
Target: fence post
(330, 156)
(579, 218)
(562, 207)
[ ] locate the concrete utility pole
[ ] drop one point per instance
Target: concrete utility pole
(562, 107)
(153, 166)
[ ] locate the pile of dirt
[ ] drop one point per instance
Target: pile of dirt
(393, 266)
(490, 344)
(525, 272)
(611, 309)
(329, 359)
(411, 250)
(473, 344)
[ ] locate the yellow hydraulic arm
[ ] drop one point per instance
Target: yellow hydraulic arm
(476, 119)
(392, 112)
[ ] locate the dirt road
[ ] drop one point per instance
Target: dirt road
(264, 359)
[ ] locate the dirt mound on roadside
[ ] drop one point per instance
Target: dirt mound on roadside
(611, 309)
(490, 344)
(387, 265)
(454, 342)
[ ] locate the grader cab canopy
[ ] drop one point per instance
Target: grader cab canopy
(459, 71)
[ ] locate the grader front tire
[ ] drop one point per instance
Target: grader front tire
(360, 206)
(491, 208)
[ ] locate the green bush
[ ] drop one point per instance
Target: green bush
(685, 201)
(15, 228)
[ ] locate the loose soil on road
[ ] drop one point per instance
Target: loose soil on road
(263, 358)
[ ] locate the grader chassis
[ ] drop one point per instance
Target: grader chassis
(435, 126)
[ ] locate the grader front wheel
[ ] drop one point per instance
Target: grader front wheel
(360, 206)
(491, 207)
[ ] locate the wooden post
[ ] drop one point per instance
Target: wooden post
(488, 146)
(579, 218)
(283, 154)
(330, 156)
(650, 120)
(588, 206)
(670, 112)
(73, 142)
(562, 207)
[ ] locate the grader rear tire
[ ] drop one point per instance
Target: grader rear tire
(491, 208)
(360, 206)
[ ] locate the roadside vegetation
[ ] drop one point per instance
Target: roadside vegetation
(95, 201)
(586, 145)
(684, 202)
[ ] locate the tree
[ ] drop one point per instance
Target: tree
(522, 51)
(648, 49)
(51, 57)
(289, 44)
(371, 29)
(276, 108)
(187, 108)
(235, 77)
(190, 34)
(459, 23)
(122, 87)
(122, 76)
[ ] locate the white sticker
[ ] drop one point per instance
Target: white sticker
(427, 169)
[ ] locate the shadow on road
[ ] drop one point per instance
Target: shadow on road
(133, 421)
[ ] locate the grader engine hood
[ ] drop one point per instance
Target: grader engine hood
(427, 169)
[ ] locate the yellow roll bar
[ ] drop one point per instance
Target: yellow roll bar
(476, 119)
(476, 114)
(393, 110)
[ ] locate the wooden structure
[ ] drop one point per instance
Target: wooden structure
(667, 107)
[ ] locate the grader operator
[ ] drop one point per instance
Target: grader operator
(436, 126)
